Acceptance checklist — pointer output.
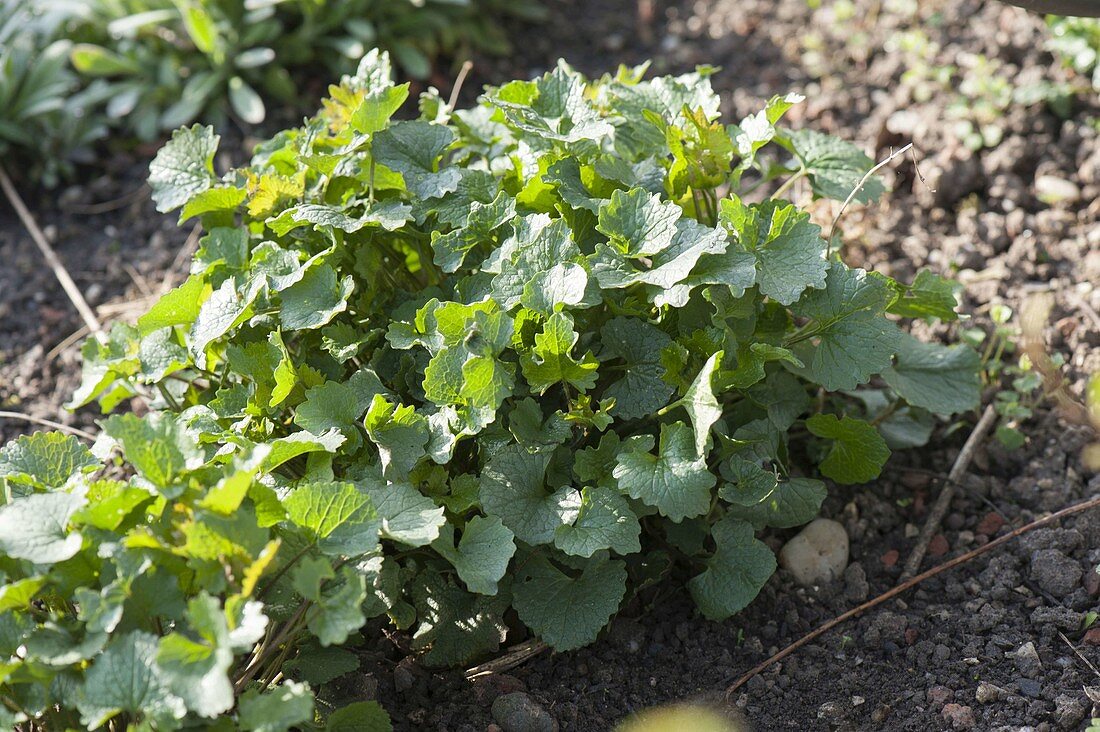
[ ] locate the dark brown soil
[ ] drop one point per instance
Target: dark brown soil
(925, 662)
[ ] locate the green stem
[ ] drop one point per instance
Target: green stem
(711, 198)
(698, 207)
(885, 413)
(288, 629)
(282, 570)
(807, 331)
(788, 183)
(168, 397)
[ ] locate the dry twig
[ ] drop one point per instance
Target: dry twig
(515, 656)
(106, 206)
(459, 80)
(1080, 655)
(48, 423)
(862, 182)
(895, 591)
(62, 274)
(939, 509)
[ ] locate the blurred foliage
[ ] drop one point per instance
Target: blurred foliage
(679, 717)
(44, 120)
(71, 69)
(1076, 41)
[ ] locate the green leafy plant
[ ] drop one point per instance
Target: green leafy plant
(539, 353)
(1020, 386)
(165, 599)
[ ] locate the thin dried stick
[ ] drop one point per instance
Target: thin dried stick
(69, 340)
(862, 182)
(1078, 652)
(62, 274)
(459, 80)
(514, 657)
(48, 423)
(113, 205)
(943, 502)
(138, 279)
(894, 592)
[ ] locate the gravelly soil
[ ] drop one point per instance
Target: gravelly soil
(955, 652)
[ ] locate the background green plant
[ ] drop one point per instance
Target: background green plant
(1076, 41)
(176, 61)
(497, 368)
(74, 68)
(46, 121)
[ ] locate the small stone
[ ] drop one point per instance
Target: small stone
(1092, 637)
(856, 587)
(403, 677)
(911, 636)
(1029, 687)
(518, 712)
(1051, 189)
(990, 524)
(1062, 618)
(938, 546)
(1054, 572)
(1092, 582)
(890, 558)
(1066, 541)
(987, 693)
(884, 628)
(831, 710)
(487, 688)
(881, 714)
(493, 727)
(940, 695)
(958, 716)
(1069, 711)
(817, 554)
(1027, 660)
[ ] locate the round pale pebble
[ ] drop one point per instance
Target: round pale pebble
(817, 554)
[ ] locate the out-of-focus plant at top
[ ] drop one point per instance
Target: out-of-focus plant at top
(1076, 41)
(43, 119)
(72, 69)
(176, 61)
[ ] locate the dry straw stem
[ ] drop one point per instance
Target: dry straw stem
(862, 182)
(515, 656)
(48, 423)
(939, 509)
(894, 592)
(62, 274)
(1034, 316)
